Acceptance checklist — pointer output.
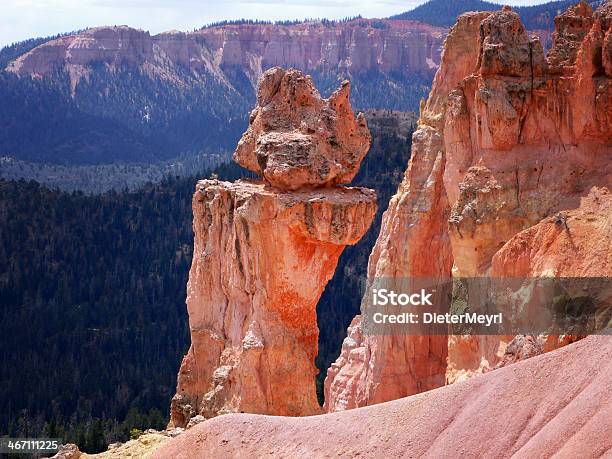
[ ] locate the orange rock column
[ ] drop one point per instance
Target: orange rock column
(262, 258)
(264, 251)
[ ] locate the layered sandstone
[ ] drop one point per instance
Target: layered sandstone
(405, 47)
(554, 405)
(517, 138)
(533, 137)
(575, 243)
(361, 45)
(262, 257)
(110, 45)
(571, 243)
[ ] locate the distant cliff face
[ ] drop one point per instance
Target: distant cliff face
(357, 46)
(179, 82)
(510, 171)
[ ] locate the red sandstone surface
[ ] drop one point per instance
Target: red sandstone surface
(263, 254)
(573, 243)
(297, 139)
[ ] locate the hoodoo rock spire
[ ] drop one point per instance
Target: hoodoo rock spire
(264, 251)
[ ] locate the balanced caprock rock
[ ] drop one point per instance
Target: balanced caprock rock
(508, 138)
(296, 139)
(264, 251)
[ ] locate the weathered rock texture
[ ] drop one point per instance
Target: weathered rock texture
(507, 138)
(529, 137)
(571, 243)
(262, 257)
(362, 45)
(296, 139)
(413, 242)
(356, 46)
(553, 405)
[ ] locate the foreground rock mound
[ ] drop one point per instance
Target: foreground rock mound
(508, 138)
(553, 404)
(262, 257)
(296, 139)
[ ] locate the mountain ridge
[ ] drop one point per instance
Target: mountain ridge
(443, 13)
(151, 98)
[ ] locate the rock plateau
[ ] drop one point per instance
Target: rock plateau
(406, 47)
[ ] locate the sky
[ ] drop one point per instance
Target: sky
(22, 19)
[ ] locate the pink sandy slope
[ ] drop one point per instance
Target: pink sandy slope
(557, 404)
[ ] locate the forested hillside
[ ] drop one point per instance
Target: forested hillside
(96, 179)
(93, 322)
(123, 116)
(127, 117)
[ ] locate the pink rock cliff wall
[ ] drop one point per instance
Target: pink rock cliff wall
(507, 138)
